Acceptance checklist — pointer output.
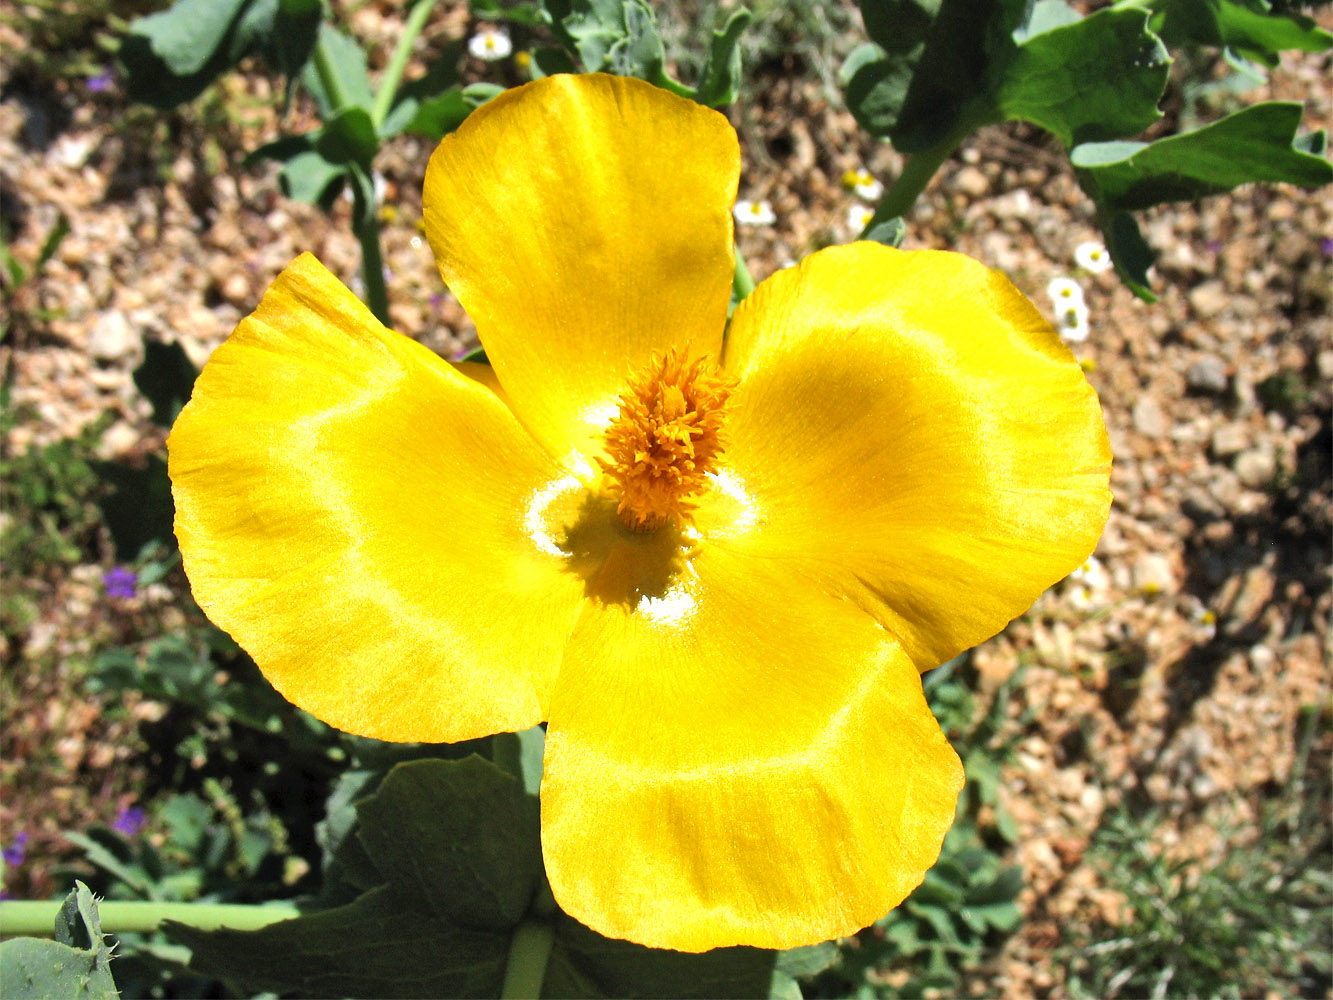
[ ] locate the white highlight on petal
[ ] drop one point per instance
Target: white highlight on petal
(534, 516)
(727, 482)
(672, 608)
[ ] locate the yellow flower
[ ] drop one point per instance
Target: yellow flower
(715, 568)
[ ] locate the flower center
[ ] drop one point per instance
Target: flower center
(665, 440)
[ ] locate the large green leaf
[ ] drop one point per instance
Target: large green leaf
(1247, 25)
(348, 83)
(475, 826)
(934, 67)
(384, 944)
(1094, 79)
(624, 969)
(1256, 144)
(720, 74)
(185, 36)
(77, 964)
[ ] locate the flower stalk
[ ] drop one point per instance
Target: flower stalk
(36, 918)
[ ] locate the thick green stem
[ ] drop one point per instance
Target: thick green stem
(366, 227)
(525, 968)
(393, 73)
(921, 167)
(38, 918)
(530, 948)
(741, 281)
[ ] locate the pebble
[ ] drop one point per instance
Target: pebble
(1210, 298)
(113, 339)
(1256, 468)
(1229, 439)
(1149, 418)
(1207, 375)
(971, 181)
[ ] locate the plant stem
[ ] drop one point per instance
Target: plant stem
(393, 73)
(366, 228)
(920, 168)
(741, 281)
(37, 918)
(525, 967)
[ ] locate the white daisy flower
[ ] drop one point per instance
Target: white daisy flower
(1092, 257)
(490, 44)
(1089, 584)
(862, 183)
(1063, 291)
(1071, 320)
(858, 217)
(754, 213)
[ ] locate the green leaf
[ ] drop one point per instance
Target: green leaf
(77, 964)
(139, 508)
(436, 117)
(548, 61)
(1091, 80)
(349, 138)
(1250, 27)
(890, 232)
(624, 969)
(638, 51)
(347, 62)
(188, 34)
(1132, 258)
(1046, 15)
(1256, 144)
(937, 66)
(382, 945)
(475, 826)
(720, 74)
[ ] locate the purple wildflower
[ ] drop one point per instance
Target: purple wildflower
(120, 582)
(129, 821)
(17, 851)
(101, 82)
(1326, 245)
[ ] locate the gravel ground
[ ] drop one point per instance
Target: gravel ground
(1175, 673)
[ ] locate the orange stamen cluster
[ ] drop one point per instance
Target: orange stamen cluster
(665, 440)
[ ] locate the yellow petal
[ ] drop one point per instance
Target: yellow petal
(913, 435)
(736, 758)
(350, 508)
(584, 221)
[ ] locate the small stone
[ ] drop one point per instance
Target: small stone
(1210, 298)
(971, 181)
(113, 339)
(1229, 439)
(1152, 574)
(1325, 363)
(1256, 468)
(1149, 418)
(1207, 374)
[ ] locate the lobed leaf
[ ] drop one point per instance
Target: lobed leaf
(77, 964)
(1250, 27)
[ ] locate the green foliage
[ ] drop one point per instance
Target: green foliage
(935, 70)
(50, 521)
(448, 855)
(1258, 921)
(1256, 144)
(171, 57)
(622, 37)
(76, 964)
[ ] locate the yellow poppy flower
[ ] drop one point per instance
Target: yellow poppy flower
(714, 568)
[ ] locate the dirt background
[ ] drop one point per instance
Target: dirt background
(1177, 675)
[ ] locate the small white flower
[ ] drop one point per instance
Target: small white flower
(862, 183)
(858, 217)
(1063, 291)
(1092, 257)
(1089, 584)
(490, 44)
(1071, 320)
(754, 213)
